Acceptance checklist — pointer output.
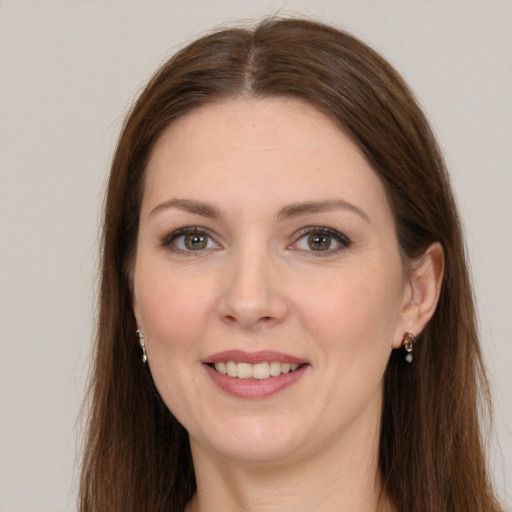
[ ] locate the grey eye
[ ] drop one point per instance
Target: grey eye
(319, 242)
(190, 240)
(322, 240)
(195, 241)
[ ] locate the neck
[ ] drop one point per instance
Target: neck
(342, 477)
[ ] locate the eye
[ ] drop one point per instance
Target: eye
(321, 240)
(189, 239)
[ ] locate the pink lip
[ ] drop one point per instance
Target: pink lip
(252, 388)
(262, 356)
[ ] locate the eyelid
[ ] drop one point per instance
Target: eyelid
(342, 239)
(167, 241)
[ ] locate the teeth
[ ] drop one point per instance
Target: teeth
(260, 371)
(231, 368)
(244, 370)
(275, 368)
(257, 371)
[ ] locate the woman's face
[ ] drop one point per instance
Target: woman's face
(267, 250)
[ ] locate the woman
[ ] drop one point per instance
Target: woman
(286, 320)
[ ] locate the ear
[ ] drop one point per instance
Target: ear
(421, 292)
(135, 308)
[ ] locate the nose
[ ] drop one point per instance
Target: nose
(253, 291)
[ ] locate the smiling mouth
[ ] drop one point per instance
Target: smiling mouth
(258, 371)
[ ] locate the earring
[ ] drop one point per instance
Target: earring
(142, 346)
(409, 342)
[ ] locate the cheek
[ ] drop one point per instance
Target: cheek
(354, 313)
(171, 310)
(172, 313)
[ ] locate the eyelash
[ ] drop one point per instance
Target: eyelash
(343, 241)
(169, 242)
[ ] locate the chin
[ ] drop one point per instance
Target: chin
(256, 441)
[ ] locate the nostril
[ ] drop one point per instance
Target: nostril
(232, 319)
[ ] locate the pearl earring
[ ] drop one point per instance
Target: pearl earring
(409, 342)
(142, 346)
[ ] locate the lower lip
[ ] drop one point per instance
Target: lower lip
(254, 388)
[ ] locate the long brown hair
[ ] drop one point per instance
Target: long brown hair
(137, 456)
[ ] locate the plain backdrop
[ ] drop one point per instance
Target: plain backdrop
(68, 72)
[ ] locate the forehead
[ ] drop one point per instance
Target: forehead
(250, 148)
(268, 123)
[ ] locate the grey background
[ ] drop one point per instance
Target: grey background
(68, 72)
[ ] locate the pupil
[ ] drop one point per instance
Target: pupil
(319, 242)
(195, 242)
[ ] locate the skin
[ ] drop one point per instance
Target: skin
(259, 285)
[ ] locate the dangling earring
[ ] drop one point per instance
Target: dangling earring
(142, 346)
(409, 341)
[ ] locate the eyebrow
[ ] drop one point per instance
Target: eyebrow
(190, 206)
(298, 209)
(286, 213)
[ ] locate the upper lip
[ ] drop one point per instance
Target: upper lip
(240, 356)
